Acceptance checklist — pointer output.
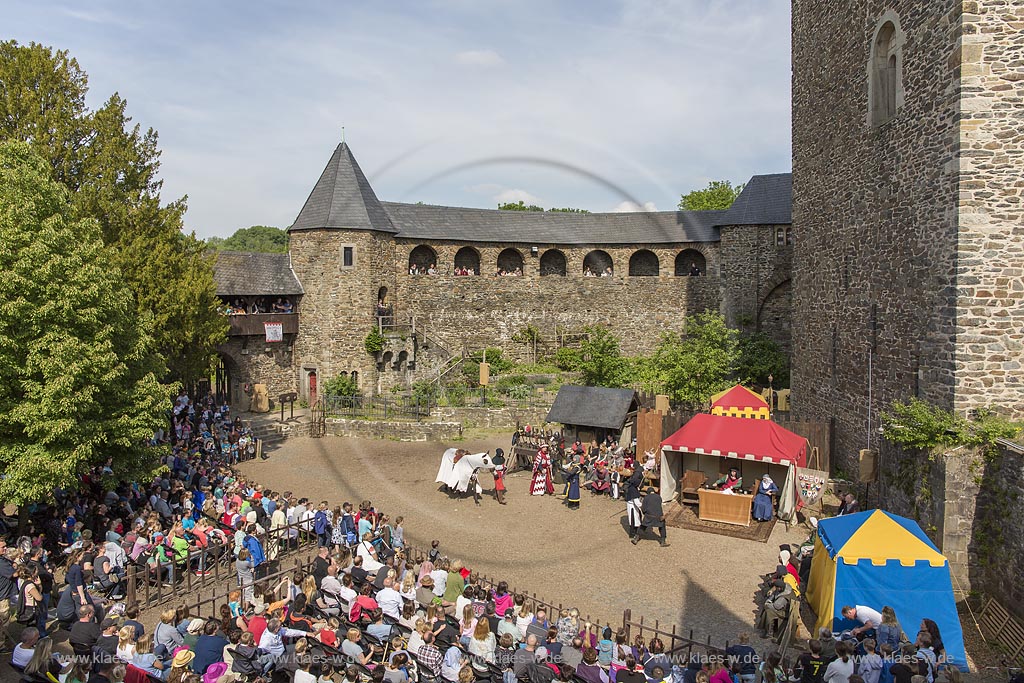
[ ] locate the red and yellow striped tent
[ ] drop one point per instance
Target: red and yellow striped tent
(740, 402)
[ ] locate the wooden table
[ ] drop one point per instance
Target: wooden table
(728, 508)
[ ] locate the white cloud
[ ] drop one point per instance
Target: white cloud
(513, 195)
(482, 58)
(633, 207)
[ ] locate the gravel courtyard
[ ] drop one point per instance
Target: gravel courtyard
(583, 558)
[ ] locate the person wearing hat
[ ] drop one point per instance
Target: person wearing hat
(572, 483)
(499, 475)
(653, 516)
(182, 658)
(193, 631)
(541, 482)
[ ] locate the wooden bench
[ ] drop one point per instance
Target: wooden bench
(999, 626)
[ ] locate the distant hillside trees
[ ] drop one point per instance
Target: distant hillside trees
(262, 238)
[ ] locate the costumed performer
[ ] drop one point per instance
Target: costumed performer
(541, 482)
(572, 483)
(731, 482)
(764, 499)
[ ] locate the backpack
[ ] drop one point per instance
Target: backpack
(26, 613)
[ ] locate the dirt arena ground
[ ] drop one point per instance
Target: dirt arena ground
(583, 558)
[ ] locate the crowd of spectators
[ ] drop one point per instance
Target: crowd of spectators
(259, 305)
(417, 269)
(362, 610)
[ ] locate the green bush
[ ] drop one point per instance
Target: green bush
(511, 380)
(424, 391)
(342, 385)
(499, 364)
(374, 342)
(567, 359)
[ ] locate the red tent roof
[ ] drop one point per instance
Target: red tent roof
(738, 437)
(738, 397)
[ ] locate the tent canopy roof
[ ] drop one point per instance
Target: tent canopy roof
(592, 406)
(738, 397)
(878, 536)
(738, 437)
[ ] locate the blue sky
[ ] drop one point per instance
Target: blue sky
(459, 102)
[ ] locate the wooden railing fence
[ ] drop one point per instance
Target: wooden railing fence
(676, 643)
(144, 585)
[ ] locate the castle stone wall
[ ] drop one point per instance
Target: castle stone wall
(487, 310)
(756, 272)
(874, 216)
(990, 255)
(338, 304)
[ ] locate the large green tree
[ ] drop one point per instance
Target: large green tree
(760, 357)
(699, 363)
(262, 238)
(111, 168)
(600, 361)
(78, 374)
(719, 194)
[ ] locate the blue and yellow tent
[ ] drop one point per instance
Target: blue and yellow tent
(876, 559)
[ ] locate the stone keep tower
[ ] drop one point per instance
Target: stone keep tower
(342, 252)
(908, 172)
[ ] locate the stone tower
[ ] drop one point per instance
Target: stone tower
(908, 159)
(342, 252)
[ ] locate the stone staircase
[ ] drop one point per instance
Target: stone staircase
(272, 432)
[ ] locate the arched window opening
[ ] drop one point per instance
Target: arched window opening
(422, 261)
(467, 261)
(552, 262)
(400, 362)
(644, 263)
(510, 262)
(598, 264)
(355, 377)
(690, 262)
(885, 71)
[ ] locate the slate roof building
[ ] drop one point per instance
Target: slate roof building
(589, 413)
(441, 281)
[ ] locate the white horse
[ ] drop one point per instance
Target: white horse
(458, 465)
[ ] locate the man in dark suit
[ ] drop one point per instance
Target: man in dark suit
(653, 516)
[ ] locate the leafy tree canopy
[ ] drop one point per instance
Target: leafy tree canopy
(111, 168)
(719, 194)
(759, 357)
(600, 362)
(698, 364)
(78, 372)
(261, 238)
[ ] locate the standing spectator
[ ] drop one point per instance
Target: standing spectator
(841, 668)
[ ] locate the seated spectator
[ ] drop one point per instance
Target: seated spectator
(350, 647)
(108, 640)
(209, 647)
(429, 657)
(628, 673)
(525, 656)
(452, 664)
(84, 632)
(378, 629)
(43, 664)
(589, 670)
(24, 650)
(656, 657)
(572, 654)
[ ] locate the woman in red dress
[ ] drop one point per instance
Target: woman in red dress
(541, 482)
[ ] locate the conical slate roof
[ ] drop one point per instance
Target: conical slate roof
(343, 198)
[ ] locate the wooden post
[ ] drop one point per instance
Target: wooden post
(130, 597)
